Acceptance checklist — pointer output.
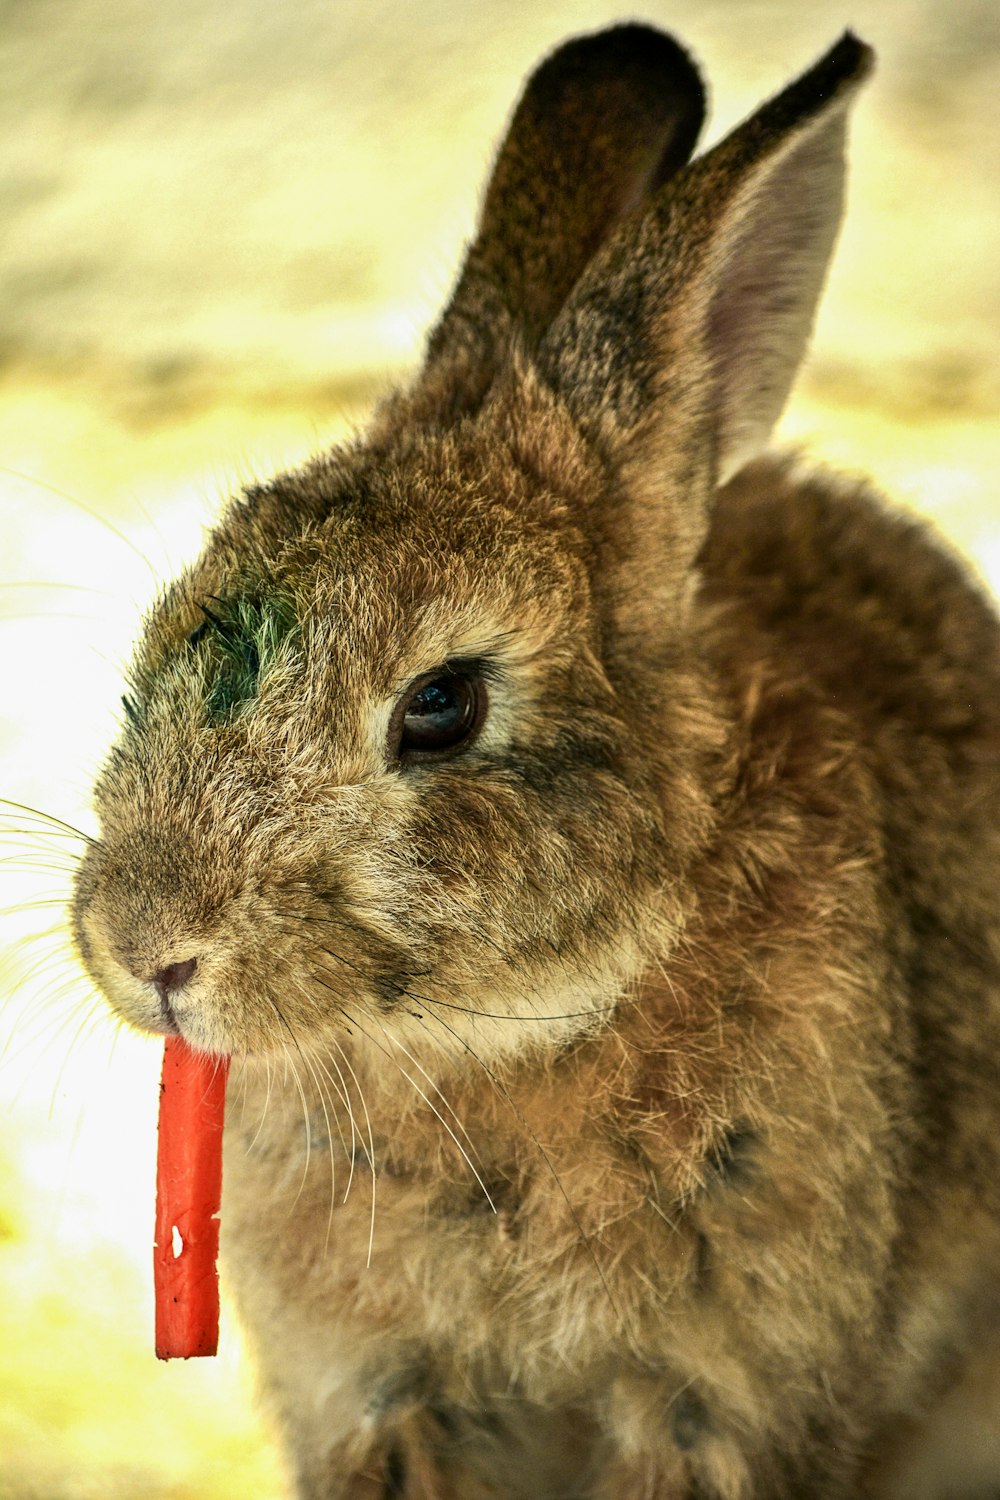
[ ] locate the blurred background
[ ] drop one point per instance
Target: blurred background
(224, 226)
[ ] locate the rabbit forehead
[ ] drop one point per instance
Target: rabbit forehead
(411, 598)
(442, 518)
(411, 563)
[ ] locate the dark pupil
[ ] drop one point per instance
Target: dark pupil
(440, 714)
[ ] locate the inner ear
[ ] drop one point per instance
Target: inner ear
(770, 265)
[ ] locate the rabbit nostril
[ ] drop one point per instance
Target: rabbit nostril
(174, 977)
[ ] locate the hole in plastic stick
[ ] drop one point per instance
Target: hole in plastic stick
(178, 1242)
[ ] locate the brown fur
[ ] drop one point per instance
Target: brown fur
(614, 1114)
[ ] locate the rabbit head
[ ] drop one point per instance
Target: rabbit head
(430, 730)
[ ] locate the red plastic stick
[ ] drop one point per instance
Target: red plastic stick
(188, 1189)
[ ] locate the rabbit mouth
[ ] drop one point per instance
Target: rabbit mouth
(263, 997)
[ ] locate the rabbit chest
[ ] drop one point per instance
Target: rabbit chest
(429, 1232)
(621, 1242)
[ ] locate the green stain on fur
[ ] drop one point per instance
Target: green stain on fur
(246, 636)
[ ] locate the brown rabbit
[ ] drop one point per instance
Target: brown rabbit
(582, 831)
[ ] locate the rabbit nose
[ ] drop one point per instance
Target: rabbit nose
(173, 977)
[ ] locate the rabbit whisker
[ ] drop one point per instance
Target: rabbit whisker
(490, 1015)
(427, 1100)
(268, 1086)
(290, 1065)
(339, 1085)
(20, 906)
(54, 825)
(408, 992)
(519, 1116)
(35, 863)
(27, 583)
(29, 975)
(317, 1080)
(409, 1055)
(91, 1017)
(94, 515)
(371, 1139)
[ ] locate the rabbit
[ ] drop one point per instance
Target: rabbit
(580, 827)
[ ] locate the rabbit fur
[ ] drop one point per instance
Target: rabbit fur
(615, 1109)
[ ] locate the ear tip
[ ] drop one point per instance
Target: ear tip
(850, 59)
(629, 49)
(633, 68)
(645, 42)
(834, 77)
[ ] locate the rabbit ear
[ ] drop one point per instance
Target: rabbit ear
(678, 346)
(603, 121)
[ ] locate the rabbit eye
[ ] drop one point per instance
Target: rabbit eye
(440, 714)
